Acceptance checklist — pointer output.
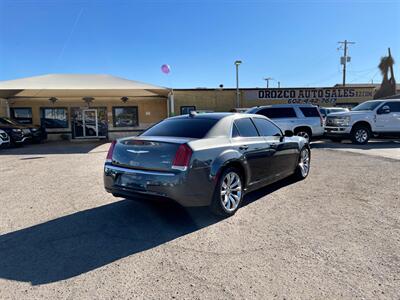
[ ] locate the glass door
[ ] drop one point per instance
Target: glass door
(90, 123)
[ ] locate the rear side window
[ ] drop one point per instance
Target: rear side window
(246, 127)
(235, 132)
(310, 112)
(189, 128)
(278, 112)
(266, 128)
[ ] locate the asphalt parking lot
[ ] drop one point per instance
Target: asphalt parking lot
(334, 235)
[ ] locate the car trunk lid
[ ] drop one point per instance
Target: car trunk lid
(148, 153)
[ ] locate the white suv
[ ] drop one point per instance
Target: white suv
(303, 119)
(375, 117)
(4, 139)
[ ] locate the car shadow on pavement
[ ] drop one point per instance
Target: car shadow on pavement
(55, 147)
(375, 144)
(269, 189)
(84, 241)
(74, 244)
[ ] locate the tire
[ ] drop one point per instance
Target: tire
(305, 133)
(336, 140)
(304, 164)
(231, 184)
(91, 132)
(360, 135)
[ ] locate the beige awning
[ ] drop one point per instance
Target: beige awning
(78, 85)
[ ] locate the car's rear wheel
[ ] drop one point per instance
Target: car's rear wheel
(360, 135)
(303, 166)
(228, 193)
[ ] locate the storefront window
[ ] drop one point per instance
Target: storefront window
(187, 109)
(126, 116)
(22, 115)
(54, 117)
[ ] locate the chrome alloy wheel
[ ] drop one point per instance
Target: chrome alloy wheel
(231, 191)
(304, 134)
(304, 163)
(361, 135)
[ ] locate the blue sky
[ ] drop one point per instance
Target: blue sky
(294, 42)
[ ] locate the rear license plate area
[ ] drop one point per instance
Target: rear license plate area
(132, 181)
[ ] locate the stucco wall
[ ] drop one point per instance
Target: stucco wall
(214, 100)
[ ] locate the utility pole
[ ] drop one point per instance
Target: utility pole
(267, 80)
(345, 59)
(279, 84)
(237, 63)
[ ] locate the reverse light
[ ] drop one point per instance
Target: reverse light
(182, 158)
(110, 152)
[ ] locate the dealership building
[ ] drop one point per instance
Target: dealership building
(77, 106)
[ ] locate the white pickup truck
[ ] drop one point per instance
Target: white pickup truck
(370, 118)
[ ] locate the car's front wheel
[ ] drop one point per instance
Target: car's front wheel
(303, 166)
(228, 193)
(360, 135)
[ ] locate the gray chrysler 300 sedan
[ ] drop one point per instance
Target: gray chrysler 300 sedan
(205, 160)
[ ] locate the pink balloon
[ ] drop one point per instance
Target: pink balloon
(165, 69)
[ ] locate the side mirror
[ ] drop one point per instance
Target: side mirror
(384, 110)
(288, 133)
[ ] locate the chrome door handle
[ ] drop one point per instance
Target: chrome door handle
(243, 147)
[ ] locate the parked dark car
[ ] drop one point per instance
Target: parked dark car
(208, 159)
(18, 134)
(37, 133)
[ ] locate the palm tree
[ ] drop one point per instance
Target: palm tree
(388, 86)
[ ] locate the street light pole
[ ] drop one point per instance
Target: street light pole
(237, 63)
(267, 79)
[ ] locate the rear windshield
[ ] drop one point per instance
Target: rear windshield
(189, 128)
(336, 110)
(278, 112)
(310, 112)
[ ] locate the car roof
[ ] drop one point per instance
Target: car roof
(381, 100)
(333, 107)
(215, 116)
(285, 105)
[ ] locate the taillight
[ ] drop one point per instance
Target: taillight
(182, 158)
(110, 152)
(321, 119)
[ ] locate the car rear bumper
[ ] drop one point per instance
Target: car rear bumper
(186, 188)
(4, 143)
(24, 139)
(317, 131)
